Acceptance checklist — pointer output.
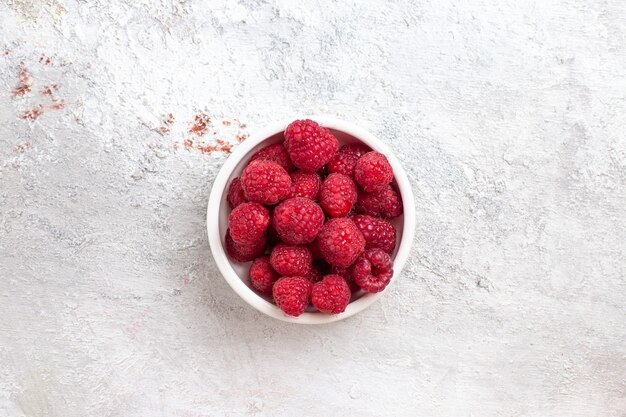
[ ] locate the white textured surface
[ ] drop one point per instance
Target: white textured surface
(509, 116)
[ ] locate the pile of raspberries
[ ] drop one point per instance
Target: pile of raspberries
(321, 213)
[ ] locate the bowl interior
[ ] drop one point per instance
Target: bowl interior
(241, 269)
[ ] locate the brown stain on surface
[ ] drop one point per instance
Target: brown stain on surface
(58, 104)
(32, 114)
(219, 146)
(24, 84)
(45, 60)
(167, 124)
(48, 90)
(22, 147)
(200, 125)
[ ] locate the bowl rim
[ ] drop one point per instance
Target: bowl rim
(219, 188)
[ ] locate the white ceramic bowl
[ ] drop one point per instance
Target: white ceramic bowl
(236, 274)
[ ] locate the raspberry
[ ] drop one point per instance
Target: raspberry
(265, 182)
(373, 270)
(244, 253)
(262, 276)
(346, 275)
(235, 194)
(390, 202)
(276, 153)
(337, 195)
(291, 260)
(292, 294)
(367, 203)
(373, 172)
(378, 233)
(331, 295)
(385, 203)
(343, 162)
(248, 222)
(305, 184)
(316, 273)
(357, 149)
(298, 220)
(340, 242)
(309, 145)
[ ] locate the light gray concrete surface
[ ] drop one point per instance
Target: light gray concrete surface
(509, 116)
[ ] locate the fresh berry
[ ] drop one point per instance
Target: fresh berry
(343, 162)
(291, 260)
(385, 203)
(331, 295)
(346, 275)
(357, 149)
(340, 242)
(244, 253)
(235, 195)
(305, 184)
(276, 153)
(292, 294)
(337, 195)
(373, 171)
(248, 222)
(373, 270)
(390, 202)
(265, 182)
(310, 146)
(367, 203)
(262, 275)
(298, 220)
(316, 273)
(378, 233)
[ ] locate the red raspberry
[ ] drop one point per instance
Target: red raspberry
(276, 153)
(305, 184)
(343, 162)
(309, 145)
(262, 276)
(331, 295)
(385, 203)
(373, 270)
(298, 220)
(292, 294)
(316, 273)
(235, 194)
(244, 253)
(378, 233)
(340, 242)
(248, 222)
(265, 182)
(390, 202)
(358, 149)
(367, 203)
(373, 171)
(337, 195)
(291, 260)
(346, 275)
